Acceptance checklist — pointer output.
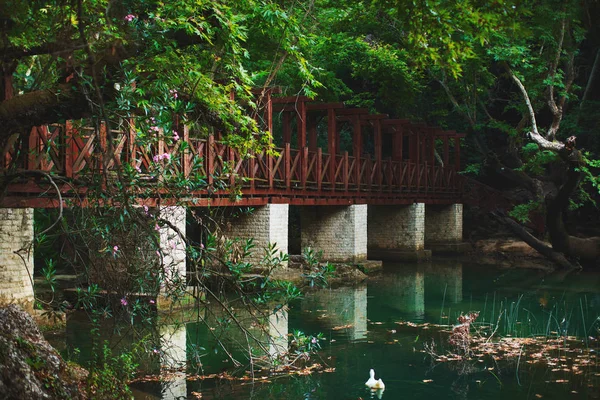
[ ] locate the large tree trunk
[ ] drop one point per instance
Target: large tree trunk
(585, 250)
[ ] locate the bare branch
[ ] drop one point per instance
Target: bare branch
(534, 133)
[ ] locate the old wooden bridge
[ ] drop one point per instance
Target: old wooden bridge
(325, 154)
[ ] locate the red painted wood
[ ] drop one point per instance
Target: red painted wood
(304, 173)
(331, 144)
(311, 176)
(301, 124)
(357, 142)
(288, 166)
(378, 143)
(319, 170)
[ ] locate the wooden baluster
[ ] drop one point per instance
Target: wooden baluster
(346, 171)
(130, 148)
(187, 155)
(288, 166)
(319, 168)
(304, 170)
(252, 174)
(104, 158)
(232, 163)
(210, 152)
(271, 172)
(390, 174)
(332, 144)
(369, 171)
(378, 154)
(33, 150)
(67, 150)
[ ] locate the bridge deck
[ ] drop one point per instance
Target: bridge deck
(391, 161)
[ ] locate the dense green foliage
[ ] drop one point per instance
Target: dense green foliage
(165, 64)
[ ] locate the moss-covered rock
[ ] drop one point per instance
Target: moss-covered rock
(30, 368)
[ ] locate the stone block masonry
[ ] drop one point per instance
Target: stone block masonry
(339, 231)
(16, 270)
(266, 225)
(443, 224)
(397, 227)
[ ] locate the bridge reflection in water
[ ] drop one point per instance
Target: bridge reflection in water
(401, 292)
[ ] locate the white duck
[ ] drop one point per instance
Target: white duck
(374, 384)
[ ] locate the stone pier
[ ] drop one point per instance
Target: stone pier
(397, 232)
(16, 256)
(339, 231)
(443, 228)
(266, 225)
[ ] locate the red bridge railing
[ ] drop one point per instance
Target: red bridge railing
(405, 162)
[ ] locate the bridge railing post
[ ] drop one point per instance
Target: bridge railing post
(186, 156)
(346, 172)
(319, 168)
(304, 169)
(288, 165)
(210, 166)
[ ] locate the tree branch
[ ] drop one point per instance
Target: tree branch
(534, 133)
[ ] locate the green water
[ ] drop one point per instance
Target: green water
(528, 303)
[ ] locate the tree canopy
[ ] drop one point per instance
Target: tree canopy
(519, 76)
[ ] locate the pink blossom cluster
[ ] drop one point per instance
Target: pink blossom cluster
(129, 17)
(175, 136)
(173, 93)
(159, 157)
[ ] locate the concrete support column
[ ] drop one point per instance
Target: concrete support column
(266, 225)
(443, 228)
(339, 231)
(16, 270)
(397, 232)
(172, 244)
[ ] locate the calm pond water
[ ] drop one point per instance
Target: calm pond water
(361, 330)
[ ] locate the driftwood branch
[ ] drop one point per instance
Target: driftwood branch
(541, 247)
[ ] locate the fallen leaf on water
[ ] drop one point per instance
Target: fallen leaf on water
(337, 328)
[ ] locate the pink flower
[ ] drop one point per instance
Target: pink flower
(124, 301)
(313, 340)
(152, 301)
(175, 136)
(201, 245)
(156, 228)
(138, 169)
(115, 249)
(164, 156)
(129, 17)
(146, 209)
(155, 351)
(173, 93)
